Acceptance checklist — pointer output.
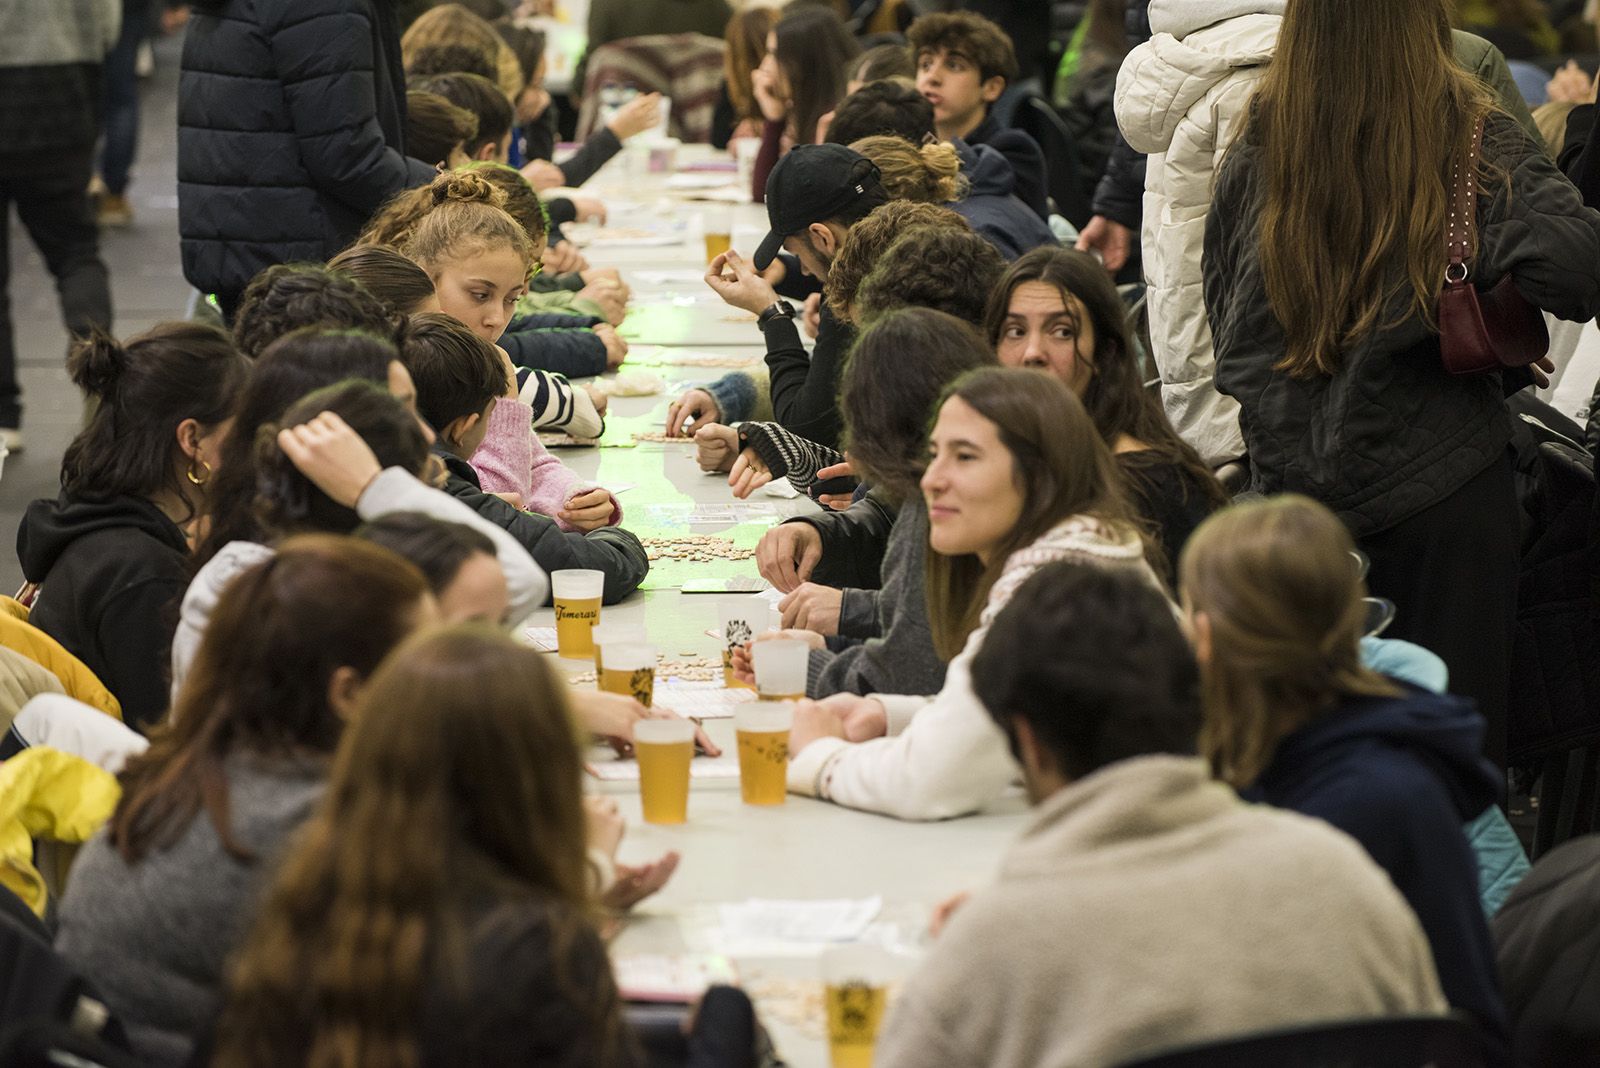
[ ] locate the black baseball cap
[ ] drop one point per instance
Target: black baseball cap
(812, 184)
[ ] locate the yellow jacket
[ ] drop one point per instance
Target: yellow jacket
(50, 795)
(18, 634)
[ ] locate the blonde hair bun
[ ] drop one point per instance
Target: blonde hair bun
(467, 188)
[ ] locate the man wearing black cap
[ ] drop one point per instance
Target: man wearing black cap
(814, 194)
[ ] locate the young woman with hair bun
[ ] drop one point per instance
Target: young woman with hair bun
(111, 552)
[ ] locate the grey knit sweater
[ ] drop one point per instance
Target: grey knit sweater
(900, 658)
(154, 936)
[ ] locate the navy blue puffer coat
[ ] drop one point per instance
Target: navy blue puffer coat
(291, 133)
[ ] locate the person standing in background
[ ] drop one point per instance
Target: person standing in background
(120, 118)
(51, 55)
(291, 133)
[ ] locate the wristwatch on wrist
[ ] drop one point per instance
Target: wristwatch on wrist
(779, 308)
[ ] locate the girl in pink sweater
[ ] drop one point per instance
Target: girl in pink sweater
(478, 259)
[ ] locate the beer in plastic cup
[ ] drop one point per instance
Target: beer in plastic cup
(664, 748)
(577, 599)
(780, 666)
(763, 731)
(740, 621)
(855, 992)
(630, 670)
(718, 243)
(616, 632)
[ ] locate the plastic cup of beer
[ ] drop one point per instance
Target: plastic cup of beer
(630, 670)
(739, 622)
(719, 239)
(855, 980)
(763, 733)
(781, 668)
(664, 748)
(576, 594)
(632, 633)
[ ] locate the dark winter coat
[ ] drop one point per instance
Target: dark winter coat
(291, 133)
(112, 573)
(992, 207)
(1390, 433)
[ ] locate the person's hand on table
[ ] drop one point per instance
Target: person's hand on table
(813, 720)
(744, 656)
(637, 882)
(636, 116)
(739, 285)
(599, 398)
(542, 175)
(335, 458)
(610, 296)
(591, 275)
(944, 910)
(589, 209)
(1111, 239)
(811, 316)
(812, 607)
(561, 257)
(750, 472)
(715, 446)
(692, 411)
(837, 501)
(611, 716)
(589, 509)
(616, 347)
(788, 553)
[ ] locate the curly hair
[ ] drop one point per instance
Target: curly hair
(966, 34)
(866, 241)
(466, 216)
(928, 174)
(932, 267)
(288, 296)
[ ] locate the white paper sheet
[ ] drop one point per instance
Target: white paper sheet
(766, 919)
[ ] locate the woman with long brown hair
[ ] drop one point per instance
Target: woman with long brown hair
(1324, 259)
(438, 909)
(162, 895)
(1016, 477)
(802, 78)
(1293, 717)
(745, 47)
(1056, 311)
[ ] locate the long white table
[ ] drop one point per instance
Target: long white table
(731, 852)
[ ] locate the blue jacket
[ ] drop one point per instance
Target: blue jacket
(1401, 775)
(992, 208)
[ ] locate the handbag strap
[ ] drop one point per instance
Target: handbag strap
(1461, 223)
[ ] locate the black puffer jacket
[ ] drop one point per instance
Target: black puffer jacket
(291, 132)
(1390, 433)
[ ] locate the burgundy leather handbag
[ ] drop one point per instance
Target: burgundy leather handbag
(1481, 331)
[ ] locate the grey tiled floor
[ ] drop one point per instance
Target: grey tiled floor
(147, 286)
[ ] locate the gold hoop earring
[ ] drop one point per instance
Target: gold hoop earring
(199, 481)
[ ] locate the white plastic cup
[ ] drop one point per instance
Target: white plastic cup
(663, 126)
(663, 155)
(745, 151)
(780, 668)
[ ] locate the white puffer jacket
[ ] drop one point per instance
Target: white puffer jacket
(1181, 98)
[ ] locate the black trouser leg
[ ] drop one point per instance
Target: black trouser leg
(54, 206)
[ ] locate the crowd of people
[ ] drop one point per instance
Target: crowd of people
(333, 813)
